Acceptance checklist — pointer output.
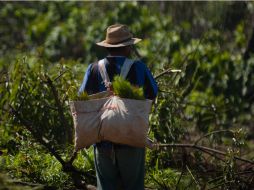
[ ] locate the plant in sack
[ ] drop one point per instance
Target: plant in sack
(124, 89)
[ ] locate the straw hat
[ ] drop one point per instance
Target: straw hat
(118, 35)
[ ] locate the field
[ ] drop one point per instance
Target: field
(201, 55)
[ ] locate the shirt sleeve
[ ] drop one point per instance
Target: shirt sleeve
(150, 85)
(84, 85)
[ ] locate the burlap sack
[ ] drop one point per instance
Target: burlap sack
(86, 119)
(119, 120)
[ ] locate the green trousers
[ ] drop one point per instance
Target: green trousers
(119, 167)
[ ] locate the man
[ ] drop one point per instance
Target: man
(117, 162)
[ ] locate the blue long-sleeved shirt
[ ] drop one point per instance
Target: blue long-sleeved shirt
(138, 75)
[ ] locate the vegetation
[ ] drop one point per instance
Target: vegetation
(202, 119)
(124, 89)
(73, 95)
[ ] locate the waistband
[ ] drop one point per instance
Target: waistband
(109, 145)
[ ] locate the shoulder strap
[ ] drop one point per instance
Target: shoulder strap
(103, 72)
(126, 67)
(124, 70)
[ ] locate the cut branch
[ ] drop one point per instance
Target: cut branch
(61, 74)
(29, 126)
(67, 166)
(59, 106)
(194, 179)
(203, 149)
(209, 134)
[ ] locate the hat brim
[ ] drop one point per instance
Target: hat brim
(127, 43)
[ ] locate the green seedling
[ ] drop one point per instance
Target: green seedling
(124, 89)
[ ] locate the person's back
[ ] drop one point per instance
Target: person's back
(116, 163)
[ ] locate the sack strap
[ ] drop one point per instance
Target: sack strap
(126, 67)
(124, 70)
(104, 73)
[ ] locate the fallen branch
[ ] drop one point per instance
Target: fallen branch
(194, 179)
(61, 74)
(27, 184)
(209, 134)
(201, 148)
(67, 166)
(58, 104)
(182, 170)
